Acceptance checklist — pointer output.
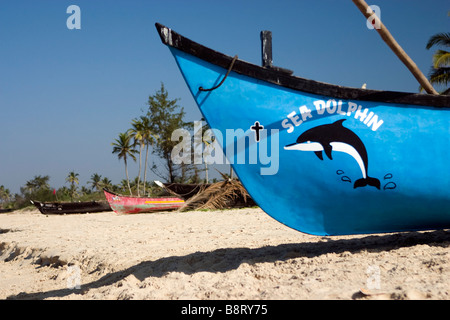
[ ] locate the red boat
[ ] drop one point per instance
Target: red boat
(129, 204)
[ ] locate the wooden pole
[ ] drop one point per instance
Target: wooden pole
(266, 49)
(390, 41)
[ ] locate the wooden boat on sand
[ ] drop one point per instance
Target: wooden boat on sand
(129, 204)
(320, 158)
(71, 207)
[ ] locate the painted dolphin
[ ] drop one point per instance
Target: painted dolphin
(335, 137)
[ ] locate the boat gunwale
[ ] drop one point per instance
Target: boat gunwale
(92, 202)
(136, 197)
(274, 76)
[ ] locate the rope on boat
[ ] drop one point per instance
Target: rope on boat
(221, 82)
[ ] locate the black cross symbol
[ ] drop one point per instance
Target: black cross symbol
(256, 127)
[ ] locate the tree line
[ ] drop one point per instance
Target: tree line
(153, 131)
(39, 188)
(149, 134)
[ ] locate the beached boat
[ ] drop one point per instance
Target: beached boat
(301, 148)
(71, 207)
(129, 204)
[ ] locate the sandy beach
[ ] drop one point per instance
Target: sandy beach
(229, 254)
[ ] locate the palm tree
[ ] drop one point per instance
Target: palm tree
(36, 184)
(5, 194)
(124, 184)
(440, 72)
(150, 139)
(138, 133)
(63, 192)
(95, 181)
(72, 178)
(144, 137)
(124, 149)
(29, 186)
(106, 183)
(85, 190)
(41, 182)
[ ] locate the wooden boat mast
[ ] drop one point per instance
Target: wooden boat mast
(395, 47)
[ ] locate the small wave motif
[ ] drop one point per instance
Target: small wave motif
(390, 186)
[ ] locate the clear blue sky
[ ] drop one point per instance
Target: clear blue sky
(65, 95)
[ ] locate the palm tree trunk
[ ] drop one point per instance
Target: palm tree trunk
(139, 173)
(145, 167)
(126, 173)
(170, 169)
(395, 47)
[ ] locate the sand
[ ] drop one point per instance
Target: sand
(230, 254)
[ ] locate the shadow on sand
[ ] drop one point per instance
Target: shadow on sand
(223, 260)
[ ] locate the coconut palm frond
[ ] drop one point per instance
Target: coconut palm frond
(440, 72)
(220, 195)
(439, 39)
(440, 76)
(441, 59)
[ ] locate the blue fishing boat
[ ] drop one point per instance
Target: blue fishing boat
(320, 158)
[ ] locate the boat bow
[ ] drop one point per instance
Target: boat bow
(321, 158)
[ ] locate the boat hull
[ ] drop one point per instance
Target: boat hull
(323, 164)
(126, 205)
(71, 207)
